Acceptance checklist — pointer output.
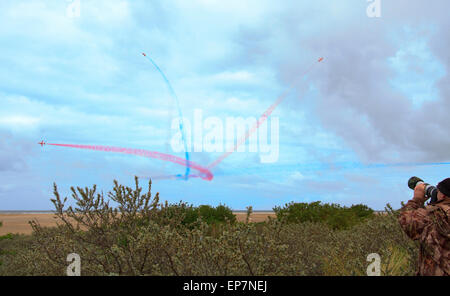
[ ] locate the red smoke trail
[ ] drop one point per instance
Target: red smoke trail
(205, 172)
(258, 123)
(249, 132)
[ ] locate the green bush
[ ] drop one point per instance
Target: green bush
(382, 235)
(191, 216)
(362, 211)
(143, 237)
(6, 236)
(10, 245)
(220, 214)
(333, 215)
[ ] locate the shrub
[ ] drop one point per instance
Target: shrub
(382, 235)
(138, 237)
(7, 236)
(10, 246)
(191, 215)
(220, 214)
(143, 237)
(362, 211)
(333, 215)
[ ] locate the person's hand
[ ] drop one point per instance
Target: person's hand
(419, 192)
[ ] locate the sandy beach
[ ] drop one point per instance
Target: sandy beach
(18, 223)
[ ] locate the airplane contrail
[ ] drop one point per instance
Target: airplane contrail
(205, 173)
(249, 132)
(260, 121)
(303, 167)
(174, 95)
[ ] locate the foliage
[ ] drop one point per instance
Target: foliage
(382, 235)
(141, 236)
(193, 215)
(220, 214)
(7, 236)
(333, 215)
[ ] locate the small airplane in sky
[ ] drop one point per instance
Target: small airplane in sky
(321, 59)
(42, 143)
(144, 54)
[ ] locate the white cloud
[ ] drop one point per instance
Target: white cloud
(19, 121)
(34, 115)
(84, 79)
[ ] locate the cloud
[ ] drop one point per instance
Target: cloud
(14, 153)
(19, 121)
(381, 95)
(357, 101)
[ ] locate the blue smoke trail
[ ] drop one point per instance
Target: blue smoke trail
(266, 170)
(174, 95)
(311, 167)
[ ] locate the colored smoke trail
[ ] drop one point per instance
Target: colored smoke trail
(174, 95)
(205, 173)
(311, 167)
(260, 121)
(249, 132)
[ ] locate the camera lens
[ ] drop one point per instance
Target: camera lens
(431, 192)
(412, 182)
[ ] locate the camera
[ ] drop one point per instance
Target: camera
(430, 190)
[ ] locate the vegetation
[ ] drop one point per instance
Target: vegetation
(333, 215)
(141, 236)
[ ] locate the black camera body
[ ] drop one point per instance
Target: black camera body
(430, 190)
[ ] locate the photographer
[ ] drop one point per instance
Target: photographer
(430, 225)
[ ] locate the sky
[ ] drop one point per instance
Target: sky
(74, 74)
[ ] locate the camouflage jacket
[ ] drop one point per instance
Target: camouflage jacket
(430, 225)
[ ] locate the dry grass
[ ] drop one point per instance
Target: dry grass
(18, 223)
